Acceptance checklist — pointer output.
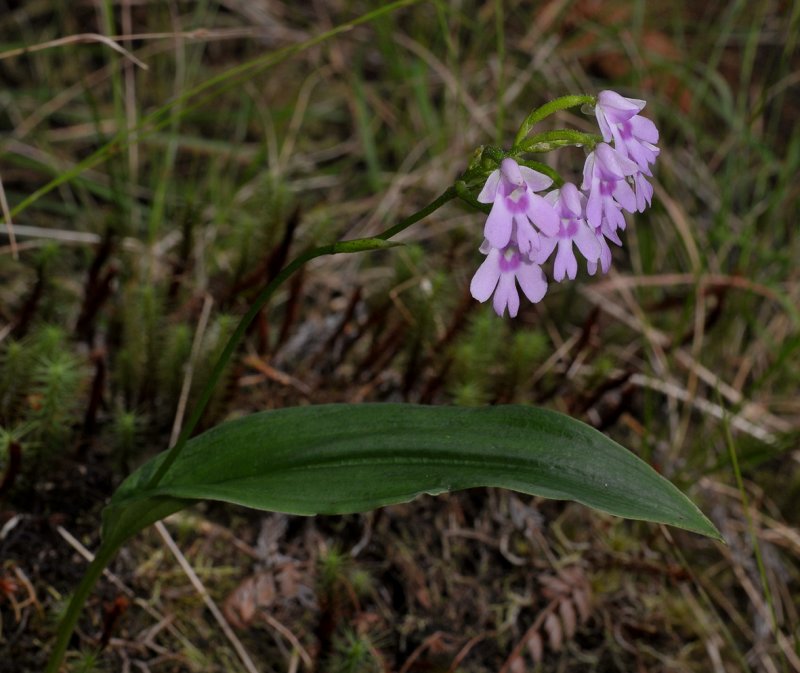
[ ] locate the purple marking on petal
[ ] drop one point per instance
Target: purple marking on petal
(485, 279)
(517, 201)
(498, 225)
(509, 260)
(489, 191)
(569, 228)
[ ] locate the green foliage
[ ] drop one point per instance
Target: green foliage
(491, 361)
(141, 335)
(126, 434)
(56, 383)
(333, 567)
(353, 653)
(41, 387)
(172, 365)
(16, 370)
(335, 459)
(214, 343)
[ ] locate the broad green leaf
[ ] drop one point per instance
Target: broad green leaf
(336, 459)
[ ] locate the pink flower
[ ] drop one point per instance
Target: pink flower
(636, 139)
(499, 274)
(570, 205)
(604, 178)
(516, 209)
(613, 109)
(603, 235)
(634, 136)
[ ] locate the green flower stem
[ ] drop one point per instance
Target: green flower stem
(540, 113)
(547, 141)
(70, 618)
(465, 195)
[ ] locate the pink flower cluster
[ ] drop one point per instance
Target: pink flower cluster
(523, 228)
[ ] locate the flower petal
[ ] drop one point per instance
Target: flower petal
(532, 280)
(535, 180)
(571, 199)
(498, 225)
(594, 205)
(588, 171)
(623, 193)
(509, 169)
(644, 129)
(644, 192)
(526, 236)
(617, 108)
(603, 123)
(543, 215)
(546, 246)
(506, 295)
(565, 264)
(605, 256)
(489, 190)
(614, 216)
(587, 243)
(485, 279)
(611, 234)
(614, 164)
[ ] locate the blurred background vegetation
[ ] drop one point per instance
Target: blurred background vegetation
(157, 182)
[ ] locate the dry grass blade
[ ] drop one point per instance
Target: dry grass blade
(81, 38)
(198, 585)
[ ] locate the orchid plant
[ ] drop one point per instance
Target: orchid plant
(337, 459)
